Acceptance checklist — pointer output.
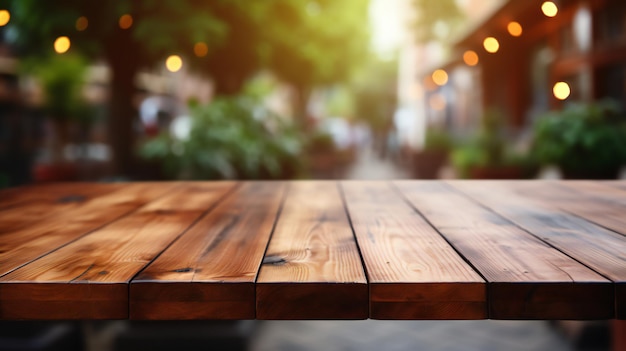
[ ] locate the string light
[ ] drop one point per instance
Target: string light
(549, 9)
(174, 63)
(440, 77)
(491, 44)
(470, 58)
(561, 90)
(515, 29)
(200, 49)
(5, 17)
(126, 21)
(62, 45)
(82, 23)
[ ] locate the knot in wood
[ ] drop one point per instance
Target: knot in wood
(70, 198)
(274, 260)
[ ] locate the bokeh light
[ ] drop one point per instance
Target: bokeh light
(491, 44)
(174, 63)
(470, 58)
(440, 77)
(549, 9)
(5, 17)
(515, 29)
(561, 90)
(200, 49)
(126, 21)
(62, 45)
(82, 23)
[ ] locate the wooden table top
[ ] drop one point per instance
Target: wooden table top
(314, 250)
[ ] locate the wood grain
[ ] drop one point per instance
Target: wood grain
(527, 278)
(594, 201)
(88, 278)
(23, 208)
(312, 269)
(413, 272)
(50, 192)
(18, 247)
(598, 248)
(210, 272)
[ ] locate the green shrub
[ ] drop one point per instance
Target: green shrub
(584, 140)
(230, 138)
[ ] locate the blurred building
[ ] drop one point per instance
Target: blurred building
(418, 96)
(540, 55)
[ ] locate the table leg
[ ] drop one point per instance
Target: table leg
(619, 335)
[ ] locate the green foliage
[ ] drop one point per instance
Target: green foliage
(438, 139)
(436, 20)
(321, 142)
(584, 140)
(306, 43)
(488, 148)
(62, 79)
(375, 93)
(316, 42)
(231, 138)
(159, 27)
(340, 103)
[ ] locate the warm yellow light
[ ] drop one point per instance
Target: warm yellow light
(126, 21)
(437, 102)
(61, 45)
(5, 16)
(561, 90)
(174, 63)
(491, 44)
(82, 23)
(470, 58)
(440, 77)
(200, 49)
(549, 9)
(515, 29)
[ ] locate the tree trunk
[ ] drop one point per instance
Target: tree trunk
(301, 114)
(122, 56)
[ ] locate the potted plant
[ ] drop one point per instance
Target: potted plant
(586, 141)
(428, 161)
(487, 155)
(229, 138)
(61, 79)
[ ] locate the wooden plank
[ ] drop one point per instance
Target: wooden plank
(598, 248)
(527, 279)
(619, 184)
(312, 269)
(210, 272)
(413, 273)
(594, 201)
(32, 204)
(88, 278)
(25, 244)
(48, 192)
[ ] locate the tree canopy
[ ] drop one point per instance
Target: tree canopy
(305, 43)
(436, 20)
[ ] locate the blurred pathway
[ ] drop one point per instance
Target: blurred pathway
(407, 335)
(369, 166)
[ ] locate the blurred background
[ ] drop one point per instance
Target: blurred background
(291, 89)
